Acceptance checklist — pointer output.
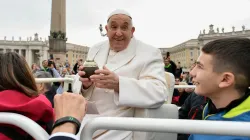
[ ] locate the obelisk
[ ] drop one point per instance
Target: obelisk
(57, 38)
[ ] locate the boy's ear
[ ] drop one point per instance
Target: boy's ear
(227, 80)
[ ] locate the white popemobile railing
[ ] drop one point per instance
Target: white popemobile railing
(26, 124)
(50, 80)
(184, 86)
(156, 125)
(166, 125)
(69, 79)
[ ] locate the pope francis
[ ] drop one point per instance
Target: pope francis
(131, 75)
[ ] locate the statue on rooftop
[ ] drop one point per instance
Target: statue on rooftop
(243, 28)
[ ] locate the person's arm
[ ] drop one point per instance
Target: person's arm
(149, 90)
(68, 105)
(55, 73)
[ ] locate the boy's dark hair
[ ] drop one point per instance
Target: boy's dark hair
(232, 55)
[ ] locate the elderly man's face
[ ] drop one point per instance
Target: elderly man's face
(119, 31)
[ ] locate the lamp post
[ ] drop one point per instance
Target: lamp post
(101, 29)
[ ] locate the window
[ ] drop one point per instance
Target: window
(1, 51)
(67, 55)
(191, 53)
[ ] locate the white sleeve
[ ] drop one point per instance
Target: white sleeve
(64, 134)
(149, 90)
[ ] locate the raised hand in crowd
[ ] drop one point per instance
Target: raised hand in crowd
(69, 106)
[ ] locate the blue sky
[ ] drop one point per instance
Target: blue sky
(162, 23)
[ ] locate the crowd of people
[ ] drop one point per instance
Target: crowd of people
(128, 77)
(61, 69)
(181, 78)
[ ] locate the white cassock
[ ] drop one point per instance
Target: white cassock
(142, 83)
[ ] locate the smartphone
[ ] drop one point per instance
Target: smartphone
(50, 63)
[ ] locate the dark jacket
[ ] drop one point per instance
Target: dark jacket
(236, 110)
(37, 108)
(192, 109)
(178, 72)
(61, 138)
(75, 68)
(51, 94)
(173, 67)
(169, 68)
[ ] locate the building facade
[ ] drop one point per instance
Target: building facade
(187, 52)
(36, 50)
(76, 52)
(211, 35)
